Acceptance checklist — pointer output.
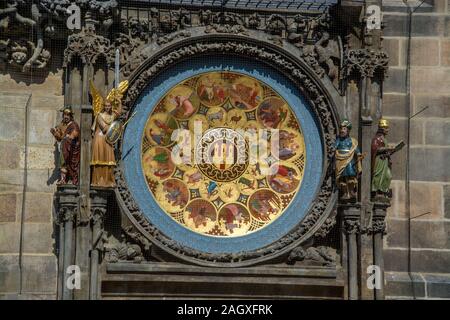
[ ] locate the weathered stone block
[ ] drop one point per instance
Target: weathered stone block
(20, 82)
(437, 133)
(439, 105)
(428, 25)
(41, 180)
(396, 80)
(392, 47)
(10, 158)
(14, 99)
(395, 25)
(399, 130)
(395, 259)
(424, 52)
(40, 123)
(447, 201)
(422, 260)
(38, 207)
(9, 238)
(9, 273)
(438, 285)
(424, 234)
(12, 124)
(52, 102)
(430, 164)
(425, 197)
(439, 5)
(41, 158)
(398, 169)
(11, 180)
(8, 205)
(400, 284)
(27, 296)
(39, 274)
(430, 80)
(394, 105)
(445, 52)
(38, 238)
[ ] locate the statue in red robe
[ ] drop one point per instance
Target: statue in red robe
(67, 133)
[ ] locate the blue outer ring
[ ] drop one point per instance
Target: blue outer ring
(131, 153)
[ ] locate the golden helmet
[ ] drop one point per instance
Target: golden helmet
(383, 123)
(67, 110)
(347, 124)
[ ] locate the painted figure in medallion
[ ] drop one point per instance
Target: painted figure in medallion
(381, 161)
(106, 111)
(348, 162)
(67, 133)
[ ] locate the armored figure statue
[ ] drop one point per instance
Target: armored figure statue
(67, 133)
(348, 162)
(381, 161)
(104, 128)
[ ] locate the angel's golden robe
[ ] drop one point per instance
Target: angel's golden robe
(103, 160)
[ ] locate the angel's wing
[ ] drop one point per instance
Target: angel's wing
(97, 99)
(117, 93)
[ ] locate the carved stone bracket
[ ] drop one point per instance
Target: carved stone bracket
(67, 204)
(351, 214)
(352, 226)
(365, 62)
(132, 246)
(87, 45)
(379, 218)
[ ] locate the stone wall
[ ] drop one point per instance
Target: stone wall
(428, 231)
(28, 108)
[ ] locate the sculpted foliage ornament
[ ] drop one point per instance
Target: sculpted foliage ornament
(87, 45)
(366, 62)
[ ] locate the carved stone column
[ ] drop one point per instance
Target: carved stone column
(67, 197)
(351, 227)
(86, 47)
(369, 65)
(99, 203)
(377, 230)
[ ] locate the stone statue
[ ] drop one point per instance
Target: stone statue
(106, 111)
(381, 161)
(322, 256)
(67, 133)
(348, 162)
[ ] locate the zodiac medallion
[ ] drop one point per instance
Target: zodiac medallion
(226, 179)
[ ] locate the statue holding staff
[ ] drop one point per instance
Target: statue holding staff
(381, 161)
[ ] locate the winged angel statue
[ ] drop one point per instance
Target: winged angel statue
(105, 132)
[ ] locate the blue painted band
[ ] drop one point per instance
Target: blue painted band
(131, 152)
